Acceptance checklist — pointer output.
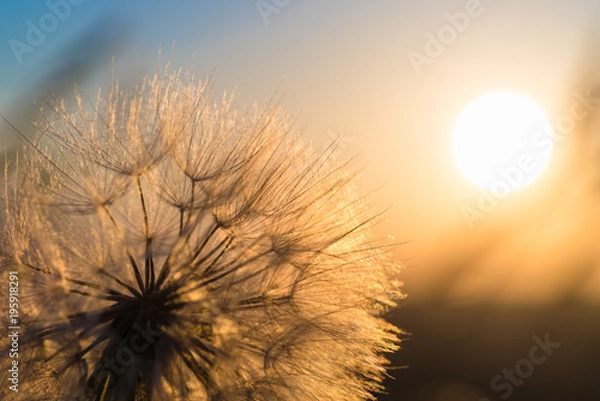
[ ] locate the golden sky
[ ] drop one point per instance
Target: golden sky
(350, 66)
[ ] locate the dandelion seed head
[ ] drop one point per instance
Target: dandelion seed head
(174, 247)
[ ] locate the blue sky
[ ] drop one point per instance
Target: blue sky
(89, 33)
(232, 36)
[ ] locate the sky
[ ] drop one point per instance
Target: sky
(367, 69)
(390, 78)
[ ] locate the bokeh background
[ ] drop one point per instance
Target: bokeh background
(479, 290)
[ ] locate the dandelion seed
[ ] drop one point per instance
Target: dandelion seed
(172, 247)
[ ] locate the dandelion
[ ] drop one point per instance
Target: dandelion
(175, 247)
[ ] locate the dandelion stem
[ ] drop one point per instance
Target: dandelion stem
(233, 269)
(201, 247)
(143, 202)
(164, 271)
(87, 349)
(105, 389)
(132, 290)
(134, 265)
(181, 211)
(148, 261)
(226, 244)
(191, 202)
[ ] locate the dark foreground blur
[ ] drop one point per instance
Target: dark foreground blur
(455, 352)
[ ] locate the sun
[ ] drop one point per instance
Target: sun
(502, 141)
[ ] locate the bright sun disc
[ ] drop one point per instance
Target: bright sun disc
(502, 141)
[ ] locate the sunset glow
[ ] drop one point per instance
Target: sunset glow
(502, 141)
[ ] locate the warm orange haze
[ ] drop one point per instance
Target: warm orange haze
(471, 126)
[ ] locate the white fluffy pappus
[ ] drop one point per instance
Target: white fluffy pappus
(173, 247)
